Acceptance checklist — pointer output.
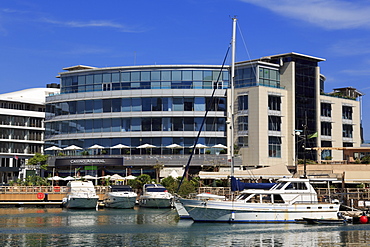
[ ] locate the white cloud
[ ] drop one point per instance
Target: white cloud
(351, 47)
(329, 14)
(93, 23)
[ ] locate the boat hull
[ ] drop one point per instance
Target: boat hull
(227, 211)
(79, 202)
(153, 202)
(120, 201)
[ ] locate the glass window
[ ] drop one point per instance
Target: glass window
(107, 124)
(88, 126)
(176, 75)
(156, 104)
(274, 102)
(146, 104)
(199, 104)
(188, 104)
(135, 76)
(325, 128)
(115, 77)
(107, 105)
(187, 75)
(243, 123)
(116, 105)
(274, 147)
(178, 104)
(197, 123)
(347, 112)
(135, 124)
(136, 104)
(189, 124)
(347, 130)
(155, 85)
(72, 107)
(81, 80)
(156, 124)
(167, 104)
(80, 107)
(126, 77)
(116, 124)
(325, 110)
(198, 75)
(165, 75)
(221, 124)
(145, 76)
(146, 124)
(274, 123)
(98, 78)
(155, 75)
(98, 106)
(178, 124)
(98, 124)
(166, 124)
(207, 75)
(126, 105)
(165, 84)
(126, 124)
(89, 79)
(107, 77)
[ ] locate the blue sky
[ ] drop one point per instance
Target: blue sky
(39, 38)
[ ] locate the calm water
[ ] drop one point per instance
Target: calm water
(159, 227)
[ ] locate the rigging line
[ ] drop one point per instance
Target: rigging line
(203, 121)
(246, 49)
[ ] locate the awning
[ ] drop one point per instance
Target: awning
(275, 172)
(357, 176)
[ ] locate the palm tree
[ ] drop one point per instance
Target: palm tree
(158, 167)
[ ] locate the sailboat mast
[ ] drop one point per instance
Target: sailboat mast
(232, 131)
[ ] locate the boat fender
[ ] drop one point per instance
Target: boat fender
(363, 219)
(232, 216)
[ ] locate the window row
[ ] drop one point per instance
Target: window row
(137, 104)
(21, 106)
(160, 144)
(21, 121)
(20, 148)
(16, 134)
(135, 124)
(326, 111)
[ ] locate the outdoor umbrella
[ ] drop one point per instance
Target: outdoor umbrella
(174, 146)
(219, 146)
(89, 177)
(55, 178)
(146, 146)
(116, 177)
(53, 148)
(69, 178)
(130, 177)
(118, 146)
(199, 146)
(72, 147)
(96, 146)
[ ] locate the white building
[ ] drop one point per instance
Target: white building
(22, 115)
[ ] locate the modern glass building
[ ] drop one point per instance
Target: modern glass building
(275, 99)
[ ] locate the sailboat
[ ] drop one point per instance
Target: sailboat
(290, 200)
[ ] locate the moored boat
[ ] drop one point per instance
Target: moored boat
(80, 194)
(155, 196)
(291, 199)
(120, 196)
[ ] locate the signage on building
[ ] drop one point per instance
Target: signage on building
(89, 162)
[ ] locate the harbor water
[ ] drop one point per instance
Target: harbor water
(160, 227)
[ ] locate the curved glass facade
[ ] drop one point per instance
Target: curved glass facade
(143, 79)
(159, 105)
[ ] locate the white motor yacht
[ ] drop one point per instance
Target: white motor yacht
(155, 196)
(80, 194)
(290, 200)
(120, 196)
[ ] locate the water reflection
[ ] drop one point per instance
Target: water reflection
(158, 227)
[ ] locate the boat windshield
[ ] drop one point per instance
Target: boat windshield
(156, 189)
(279, 186)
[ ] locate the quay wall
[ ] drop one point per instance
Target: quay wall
(40, 193)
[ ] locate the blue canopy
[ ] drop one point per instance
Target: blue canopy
(237, 185)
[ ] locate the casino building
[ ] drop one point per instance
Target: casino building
(276, 99)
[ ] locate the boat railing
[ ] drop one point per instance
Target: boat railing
(44, 189)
